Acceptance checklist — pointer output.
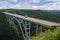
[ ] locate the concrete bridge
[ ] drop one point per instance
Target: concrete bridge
(26, 22)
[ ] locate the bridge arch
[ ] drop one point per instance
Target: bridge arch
(11, 20)
(19, 23)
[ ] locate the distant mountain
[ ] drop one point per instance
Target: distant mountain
(52, 11)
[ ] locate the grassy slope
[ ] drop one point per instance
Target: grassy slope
(48, 35)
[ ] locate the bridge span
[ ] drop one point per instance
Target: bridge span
(26, 22)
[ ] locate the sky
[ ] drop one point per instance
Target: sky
(30, 4)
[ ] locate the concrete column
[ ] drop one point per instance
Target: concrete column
(12, 22)
(37, 29)
(27, 30)
(41, 29)
(7, 17)
(9, 22)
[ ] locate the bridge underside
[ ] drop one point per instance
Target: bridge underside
(27, 28)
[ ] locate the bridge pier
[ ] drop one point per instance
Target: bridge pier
(27, 29)
(41, 29)
(37, 29)
(10, 20)
(26, 25)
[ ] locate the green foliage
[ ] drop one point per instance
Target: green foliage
(6, 32)
(53, 28)
(48, 35)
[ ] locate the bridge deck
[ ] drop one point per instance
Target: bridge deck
(39, 21)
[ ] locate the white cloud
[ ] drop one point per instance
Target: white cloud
(51, 6)
(13, 0)
(52, 0)
(35, 7)
(5, 4)
(22, 5)
(55, 0)
(3, 7)
(47, 0)
(8, 5)
(34, 1)
(27, 5)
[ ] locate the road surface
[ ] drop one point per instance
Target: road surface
(38, 21)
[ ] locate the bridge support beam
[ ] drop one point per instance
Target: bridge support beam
(10, 20)
(27, 29)
(41, 28)
(37, 29)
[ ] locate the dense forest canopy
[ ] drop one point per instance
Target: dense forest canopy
(7, 32)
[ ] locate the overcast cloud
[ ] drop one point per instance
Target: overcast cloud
(30, 4)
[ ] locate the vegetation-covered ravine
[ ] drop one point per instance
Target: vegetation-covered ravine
(14, 32)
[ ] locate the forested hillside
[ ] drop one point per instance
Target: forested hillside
(14, 33)
(39, 14)
(48, 35)
(7, 32)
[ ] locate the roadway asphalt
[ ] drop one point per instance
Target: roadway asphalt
(39, 21)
